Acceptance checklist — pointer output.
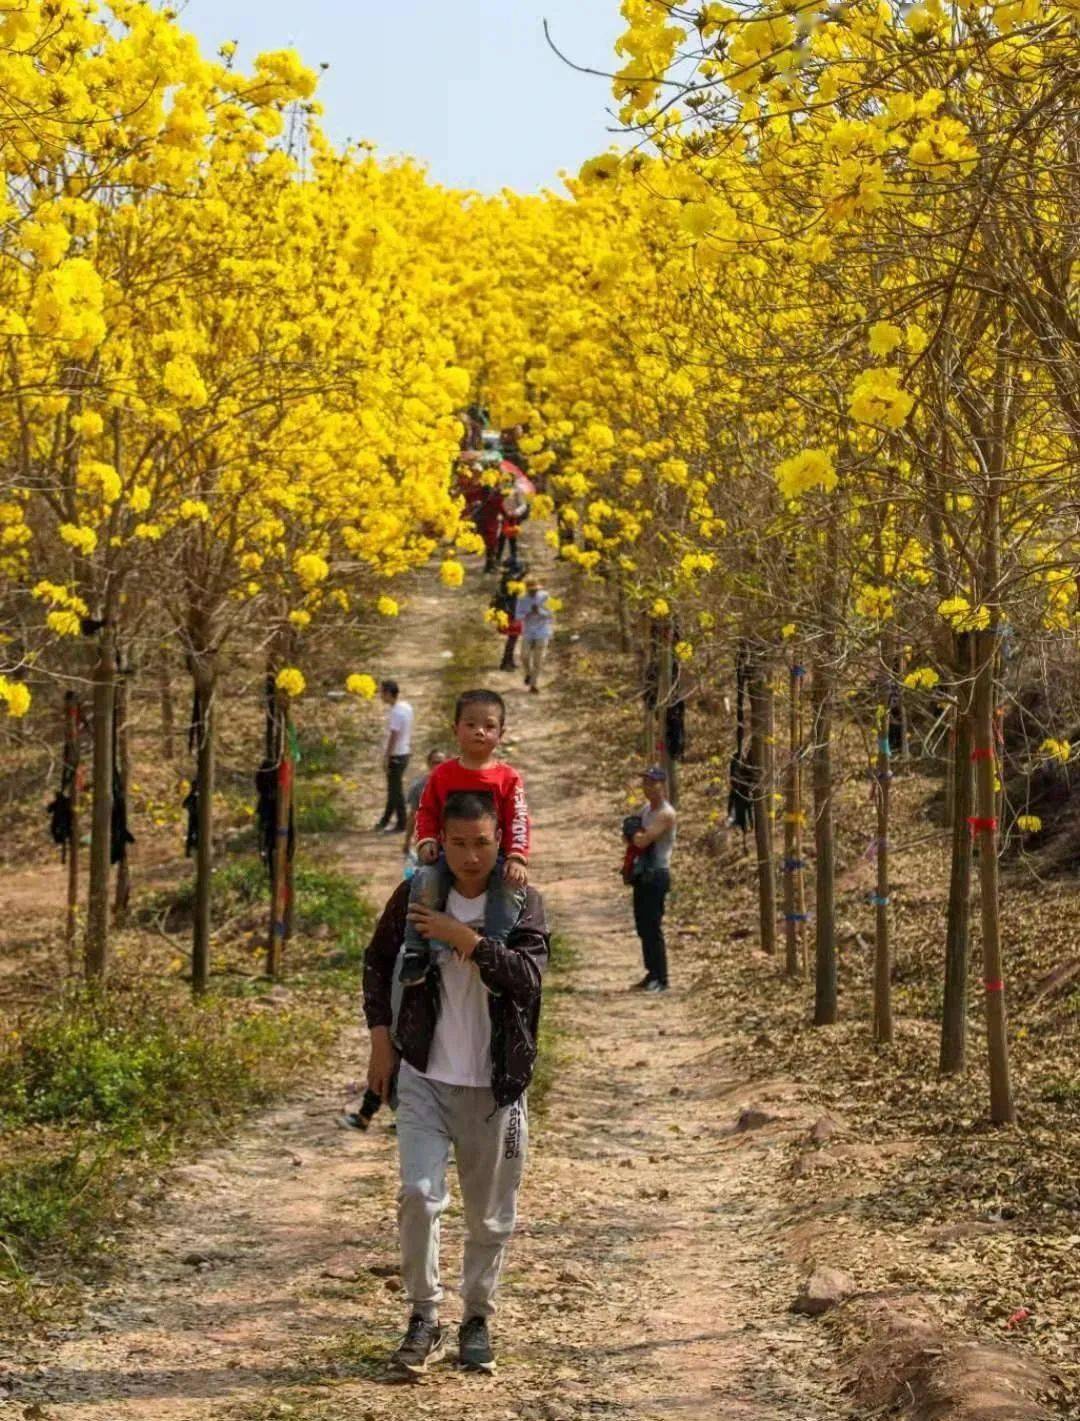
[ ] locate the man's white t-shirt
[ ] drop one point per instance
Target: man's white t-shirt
(400, 719)
(461, 1047)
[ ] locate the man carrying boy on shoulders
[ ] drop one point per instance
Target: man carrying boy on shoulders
(467, 1041)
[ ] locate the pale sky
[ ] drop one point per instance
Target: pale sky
(470, 86)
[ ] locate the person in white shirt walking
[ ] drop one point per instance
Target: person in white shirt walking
(397, 747)
(537, 620)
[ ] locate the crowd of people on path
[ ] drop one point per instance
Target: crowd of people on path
(452, 980)
(494, 483)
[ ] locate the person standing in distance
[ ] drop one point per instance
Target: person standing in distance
(655, 841)
(397, 747)
(537, 626)
(415, 794)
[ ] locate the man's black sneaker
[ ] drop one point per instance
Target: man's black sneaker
(643, 985)
(474, 1346)
(655, 988)
(415, 966)
(424, 1343)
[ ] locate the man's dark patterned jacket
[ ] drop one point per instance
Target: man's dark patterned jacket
(511, 973)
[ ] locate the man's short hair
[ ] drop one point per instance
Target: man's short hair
(390, 687)
(480, 698)
(470, 805)
(436, 756)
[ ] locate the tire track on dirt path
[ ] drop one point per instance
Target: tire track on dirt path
(643, 1280)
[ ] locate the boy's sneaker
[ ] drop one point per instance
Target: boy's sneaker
(415, 965)
(474, 1346)
(424, 1343)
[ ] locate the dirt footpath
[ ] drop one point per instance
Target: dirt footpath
(646, 1279)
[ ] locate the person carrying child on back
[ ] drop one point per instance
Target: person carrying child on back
(479, 724)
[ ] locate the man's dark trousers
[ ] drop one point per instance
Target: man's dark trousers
(395, 792)
(650, 897)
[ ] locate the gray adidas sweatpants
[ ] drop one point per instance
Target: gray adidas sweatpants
(489, 1147)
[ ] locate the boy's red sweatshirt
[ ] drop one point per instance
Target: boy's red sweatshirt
(501, 781)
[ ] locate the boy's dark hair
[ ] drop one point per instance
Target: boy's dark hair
(470, 805)
(390, 687)
(480, 698)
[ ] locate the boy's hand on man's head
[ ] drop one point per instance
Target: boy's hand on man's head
(516, 872)
(428, 853)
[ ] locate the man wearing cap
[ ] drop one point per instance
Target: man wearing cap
(655, 841)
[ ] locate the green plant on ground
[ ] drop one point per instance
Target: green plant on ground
(552, 1045)
(96, 1086)
(323, 754)
(239, 882)
(323, 896)
(357, 1354)
(319, 809)
(327, 897)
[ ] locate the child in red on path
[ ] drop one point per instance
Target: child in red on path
(479, 723)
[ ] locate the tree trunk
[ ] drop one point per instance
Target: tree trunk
(664, 700)
(623, 622)
(279, 907)
(950, 771)
(825, 965)
(204, 852)
(122, 741)
(72, 781)
(903, 748)
(761, 758)
(290, 886)
(883, 1017)
(649, 692)
(953, 1054)
(985, 827)
(96, 952)
(794, 868)
(985, 824)
(168, 710)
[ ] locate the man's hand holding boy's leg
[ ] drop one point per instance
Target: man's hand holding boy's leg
(516, 873)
